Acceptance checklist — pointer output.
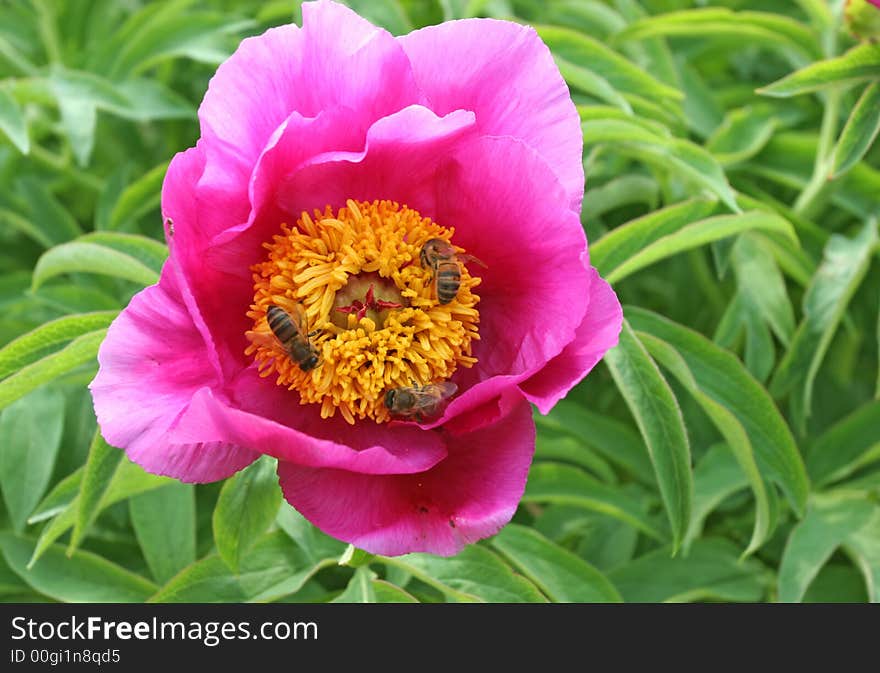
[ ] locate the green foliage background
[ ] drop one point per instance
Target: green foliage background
(727, 450)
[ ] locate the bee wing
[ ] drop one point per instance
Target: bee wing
(445, 389)
(298, 318)
(464, 258)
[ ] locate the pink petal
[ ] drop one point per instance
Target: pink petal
(467, 497)
(336, 59)
(505, 74)
(152, 362)
(269, 419)
(596, 335)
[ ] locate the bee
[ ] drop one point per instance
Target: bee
(439, 256)
(290, 333)
(419, 401)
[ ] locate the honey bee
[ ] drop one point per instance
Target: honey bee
(439, 256)
(419, 402)
(290, 333)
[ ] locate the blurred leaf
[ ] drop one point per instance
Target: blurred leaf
(13, 123)
(100, 467)
(360, 588)
(621, 191)
(560, 574)
(691, 236)
(81, 350)
(138, 198)
(38, 343)
(762, 286)
(164, 521)
(474, 575)
(859, 133)
(47, 214)
(128, 480)
(846, 446)
(562, 484)
(859, 64)
(864, 547)
(248, 503)
(616, 441)
(316, 544)
(843, 267)
(828, 522)
(743, 133)
(717, 476)
(569, 450)
(82, 578)
(385, 592)
(30, 434)
(656, 411)
(57, 500)
(679, 155)
(274, 567)
(149, 252)
(762, 28)
(91, 258)
(614, 249)
(724, 380)
(710, 571)
(577, 48)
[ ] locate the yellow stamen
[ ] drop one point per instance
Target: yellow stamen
(330, 261)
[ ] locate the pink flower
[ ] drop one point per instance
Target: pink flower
(468, 123)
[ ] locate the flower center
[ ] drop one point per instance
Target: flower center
(344, 311)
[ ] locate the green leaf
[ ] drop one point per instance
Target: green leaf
(727, 424)
(247, 504)
(743, 133)
(474, 575)
(385, 592)
(859, 133)
(829, 521)
(616, 441)
(141, 196)
(859, 64)
(562, 576)
(146, 250)
(164, 521)
(360, 588)
(656, 411)
(316, 544)
(847, 446)
(30, 435)
(585, 80)
(717, 476)
(57, 500)
(81, 350)
(710, 571)
(723, 379)
(623, 75)
(129, 480)
(38, 343)
(91, 258)
(566, 485)
(844, 265)
(53, 221)
(694, 235)
(762, 286)
(676, 154)
(567, 449)
(82, 578)
(274, 567)
(100, 467)
(13, 123)
(760, 28)
(864, 547)
(617, 246)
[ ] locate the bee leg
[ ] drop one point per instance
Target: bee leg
(313, 333)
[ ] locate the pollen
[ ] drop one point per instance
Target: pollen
(358, 297)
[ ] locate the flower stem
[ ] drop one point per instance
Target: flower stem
(813, 194)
